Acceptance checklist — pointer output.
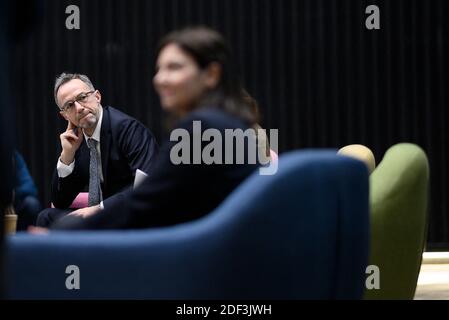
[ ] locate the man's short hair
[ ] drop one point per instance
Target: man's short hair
(66, 77)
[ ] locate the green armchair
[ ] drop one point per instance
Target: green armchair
(399, 217)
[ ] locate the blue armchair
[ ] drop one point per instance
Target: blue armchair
(302, 233)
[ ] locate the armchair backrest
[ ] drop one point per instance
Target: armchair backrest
(398, 201)
(361, 152)
(302, 233)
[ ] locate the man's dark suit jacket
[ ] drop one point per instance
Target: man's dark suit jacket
(125, 144)
(173, 193)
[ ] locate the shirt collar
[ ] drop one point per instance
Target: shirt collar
(96, 134)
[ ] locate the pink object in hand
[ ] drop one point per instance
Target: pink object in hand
(80, 201)
(274, 156)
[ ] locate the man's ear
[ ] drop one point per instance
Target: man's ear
(213, 75)
(63, 115)
(98, 96)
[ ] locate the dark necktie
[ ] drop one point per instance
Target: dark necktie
(94, 175)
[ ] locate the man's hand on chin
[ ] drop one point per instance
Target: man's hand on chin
(85, 212)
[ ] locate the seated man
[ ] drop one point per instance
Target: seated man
(102, 148)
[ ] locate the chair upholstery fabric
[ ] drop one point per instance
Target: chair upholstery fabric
(398, 202)
(302, 233)
(360, 152)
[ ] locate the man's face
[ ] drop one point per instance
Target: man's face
(82, 106)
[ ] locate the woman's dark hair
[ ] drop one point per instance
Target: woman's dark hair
(207, 46)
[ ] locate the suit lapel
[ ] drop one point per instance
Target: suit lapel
(105, 141)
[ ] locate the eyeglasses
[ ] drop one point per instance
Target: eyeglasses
(81, 98)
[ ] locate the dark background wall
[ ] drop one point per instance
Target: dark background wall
(320, 76)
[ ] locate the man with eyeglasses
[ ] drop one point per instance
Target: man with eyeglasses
(101, 150)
